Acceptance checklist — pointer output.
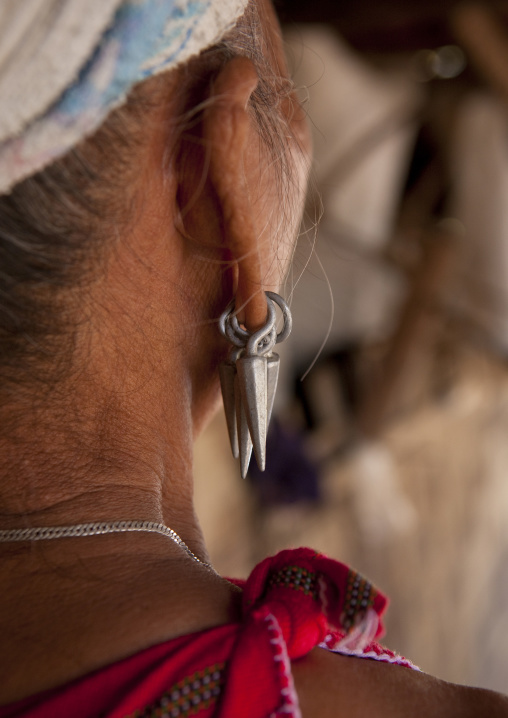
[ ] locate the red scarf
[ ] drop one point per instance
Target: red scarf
(292, 602)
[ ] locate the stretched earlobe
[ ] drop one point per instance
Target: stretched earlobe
(234, 149)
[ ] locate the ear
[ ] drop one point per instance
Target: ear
(234, 172)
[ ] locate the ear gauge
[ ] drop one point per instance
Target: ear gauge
(249, 380)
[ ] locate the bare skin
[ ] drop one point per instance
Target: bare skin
(330, 686)
(116, 442)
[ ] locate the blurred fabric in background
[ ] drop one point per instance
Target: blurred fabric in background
(392, 453)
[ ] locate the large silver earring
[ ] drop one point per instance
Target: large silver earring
(249, 379)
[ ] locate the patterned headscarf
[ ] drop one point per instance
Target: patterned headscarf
(65, 64)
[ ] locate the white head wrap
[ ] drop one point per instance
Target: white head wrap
(64, 64)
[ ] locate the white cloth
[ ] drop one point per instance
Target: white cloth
(65, 64)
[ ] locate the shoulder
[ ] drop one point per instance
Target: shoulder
(330, 685)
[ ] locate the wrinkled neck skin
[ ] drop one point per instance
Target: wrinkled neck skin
(99, 456)
(113, 440)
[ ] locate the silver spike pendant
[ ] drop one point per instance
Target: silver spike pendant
(249, 381)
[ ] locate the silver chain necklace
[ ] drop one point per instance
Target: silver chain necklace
(45, 533)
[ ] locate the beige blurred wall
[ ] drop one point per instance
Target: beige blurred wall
(446, 573)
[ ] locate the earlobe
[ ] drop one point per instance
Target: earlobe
(229, 134)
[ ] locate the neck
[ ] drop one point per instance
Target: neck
(71, 464)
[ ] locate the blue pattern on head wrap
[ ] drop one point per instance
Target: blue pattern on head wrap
(144, 37)
(138, 33)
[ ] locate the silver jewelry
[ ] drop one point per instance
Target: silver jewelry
(96, 528)
(249, 380)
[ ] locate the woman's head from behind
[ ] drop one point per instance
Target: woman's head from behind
(59, 227)
(116, 260)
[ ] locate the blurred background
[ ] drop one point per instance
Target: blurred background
(388, 448)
